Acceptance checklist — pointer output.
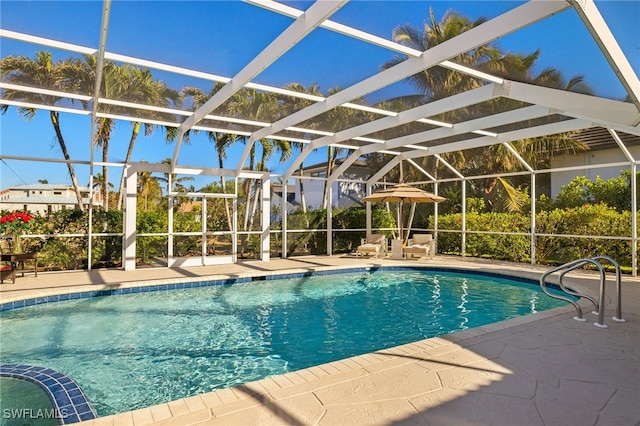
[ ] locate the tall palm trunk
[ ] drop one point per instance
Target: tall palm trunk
(224, 191)
(105, 175)
(132, 141)
(257, 192)
(303, 199)
(247, 191)
(55, 121)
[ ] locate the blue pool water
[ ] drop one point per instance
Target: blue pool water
(137, 350)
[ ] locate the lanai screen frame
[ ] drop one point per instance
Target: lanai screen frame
(581, 111)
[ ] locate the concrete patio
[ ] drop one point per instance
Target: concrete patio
(542, 369)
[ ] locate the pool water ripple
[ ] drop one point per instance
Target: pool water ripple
(141, 349)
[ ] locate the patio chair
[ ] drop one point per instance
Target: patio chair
(7, 271)
(421, 245)
(374, 244)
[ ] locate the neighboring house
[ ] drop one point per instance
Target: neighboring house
(602, 150)
(346, 195)
(44, 198)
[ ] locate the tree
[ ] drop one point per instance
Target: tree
(438, 82)
(40, 72)
(338, 119)
(149, 191)
(176, 182)
(98, 181)
(221, 141)
(289, 106)
(259, 106)
(150, 92)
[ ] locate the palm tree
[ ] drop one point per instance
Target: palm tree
(177, 183)
(338, 119)
(40, 72)
(149, 190)
(150, 92)
(98, 181)
(291, 106)
(221, 141)
(260, 106)
(438, 82)
(124, 83)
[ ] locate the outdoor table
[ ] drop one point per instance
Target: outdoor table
(17, 261)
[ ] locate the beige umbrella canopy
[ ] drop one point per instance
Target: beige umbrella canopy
(403, 193)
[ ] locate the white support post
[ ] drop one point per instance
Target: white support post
(368, 210)
(129, 259)
(533, 218)
(463, 243)
(90, 230)
(234, 231)
(203, 222)
(634, 219)
(265, 239)
(435, 219)
(283, 212)
(171, 200)
(329, 220)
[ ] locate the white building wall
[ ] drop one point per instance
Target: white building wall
(589, 158)
(41, 198)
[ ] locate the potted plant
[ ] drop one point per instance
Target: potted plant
(15, 225)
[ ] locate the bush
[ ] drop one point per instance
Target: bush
(356, 218)
(597, 219)
(504, 247)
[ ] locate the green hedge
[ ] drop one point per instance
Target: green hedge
(68, 253)
(596, 219)
(503, 247)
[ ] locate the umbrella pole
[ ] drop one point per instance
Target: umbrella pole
(411, 216)
(400, 221)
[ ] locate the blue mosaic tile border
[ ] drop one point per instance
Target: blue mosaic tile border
(228, 281)
(69, 402)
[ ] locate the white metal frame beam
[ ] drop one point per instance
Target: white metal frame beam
(513, 116)
(607, 43)
(506, 23)
(531, 132)
(302, 26)
(478, 95)
(605, 112)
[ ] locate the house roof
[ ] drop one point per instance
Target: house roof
(598, 138)
(43, 200)
(44, 187)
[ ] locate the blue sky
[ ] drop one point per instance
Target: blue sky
(221, 37)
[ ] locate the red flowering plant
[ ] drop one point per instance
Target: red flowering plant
(15, 224)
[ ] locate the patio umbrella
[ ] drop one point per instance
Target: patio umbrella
(403, 193)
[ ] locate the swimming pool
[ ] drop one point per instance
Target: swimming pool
(142, 349)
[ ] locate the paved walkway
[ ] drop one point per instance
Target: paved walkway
(542, 369)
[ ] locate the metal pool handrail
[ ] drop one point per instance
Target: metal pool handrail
(618, 317)
(570, 266)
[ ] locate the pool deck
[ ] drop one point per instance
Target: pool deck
(541, 369)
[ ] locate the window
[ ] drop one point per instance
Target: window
(57, 192)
